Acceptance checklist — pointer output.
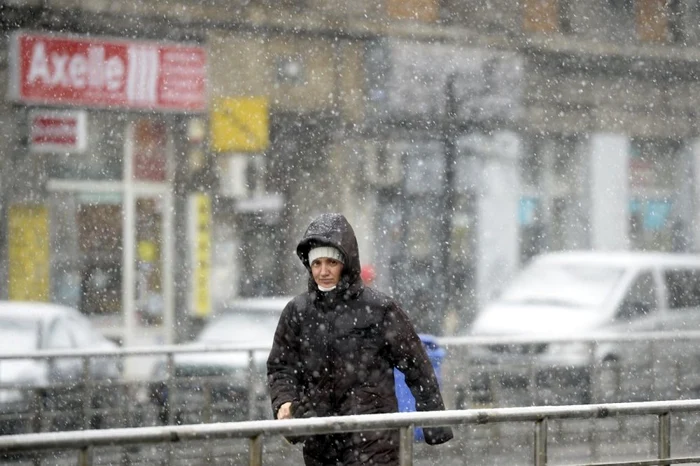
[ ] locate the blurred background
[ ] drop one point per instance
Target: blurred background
(160, 157)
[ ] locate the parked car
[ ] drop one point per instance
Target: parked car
(55, 384)
(561, 298)
(214, 386)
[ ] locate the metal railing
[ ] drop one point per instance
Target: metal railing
(37, 417)
(669, 361)
(456, 369)
(257, 431)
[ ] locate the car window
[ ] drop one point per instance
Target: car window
(640, 299)
(569, 285)
(18, 336)
(240, 327)
(683, 288)
(59, 336)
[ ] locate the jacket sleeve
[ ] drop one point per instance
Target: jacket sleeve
(283, 367)
(410, 357)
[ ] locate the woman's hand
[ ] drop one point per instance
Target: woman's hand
(285, 411)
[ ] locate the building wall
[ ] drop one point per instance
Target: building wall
(254, 66)
(587, 70)
(613, 20)
(494, 17)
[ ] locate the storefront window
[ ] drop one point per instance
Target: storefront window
(532, 232)
(88, 237)
(149, 292)
(150, 146)
(87, 224)
(655, 219)
(100, 248)
(102, 160)
(424, 165)
(550, 205)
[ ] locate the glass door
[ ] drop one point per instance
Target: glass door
(87, 261)
(111, 228)
(86, 237)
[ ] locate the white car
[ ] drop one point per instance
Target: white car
(560, 299)
(213, 386)
(28, 327)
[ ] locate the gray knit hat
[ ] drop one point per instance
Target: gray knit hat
(325, 251)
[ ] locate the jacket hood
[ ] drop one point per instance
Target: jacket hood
(333, 230)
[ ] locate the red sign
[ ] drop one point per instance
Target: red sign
(57, 131)
(86, 71)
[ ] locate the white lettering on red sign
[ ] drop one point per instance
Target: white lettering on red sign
(80, 70)
(57, 131)
(105, 73)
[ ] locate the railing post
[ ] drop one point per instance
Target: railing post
(256, 451)
(597, 393)
(532, 385)
(50, 391)
(652, 372)
(207, 410)
(250, 383)
(84, 457)
(87, 392)
(406, 445)
(37, 420)
(170, 387)
(595, 372)
(170, 405)
(122, 394)
(38, 403)
(541, 442)
(664, 439)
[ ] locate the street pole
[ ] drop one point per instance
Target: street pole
(449, 133)
(129, 241)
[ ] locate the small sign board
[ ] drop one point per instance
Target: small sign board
(240, 124)
(199, 222)
(57, 131)
(28, 251)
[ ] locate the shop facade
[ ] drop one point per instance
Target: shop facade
(90, 163)
(578, 154)
(610, 156)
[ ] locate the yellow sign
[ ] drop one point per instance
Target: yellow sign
(28, 241)
(200, 247)
(240, 124)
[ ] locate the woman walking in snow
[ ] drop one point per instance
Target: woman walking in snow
(335, 350)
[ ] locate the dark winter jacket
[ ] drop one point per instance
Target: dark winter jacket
(334, 354)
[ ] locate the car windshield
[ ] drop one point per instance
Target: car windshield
(240, 327)
(18, 336)
(569, 285)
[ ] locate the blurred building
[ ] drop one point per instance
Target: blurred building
(460, 138)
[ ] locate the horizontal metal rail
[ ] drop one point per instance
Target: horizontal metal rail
(606, 337)
(164, 350)
(256, 431)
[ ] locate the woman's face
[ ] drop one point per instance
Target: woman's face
(326, 271)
